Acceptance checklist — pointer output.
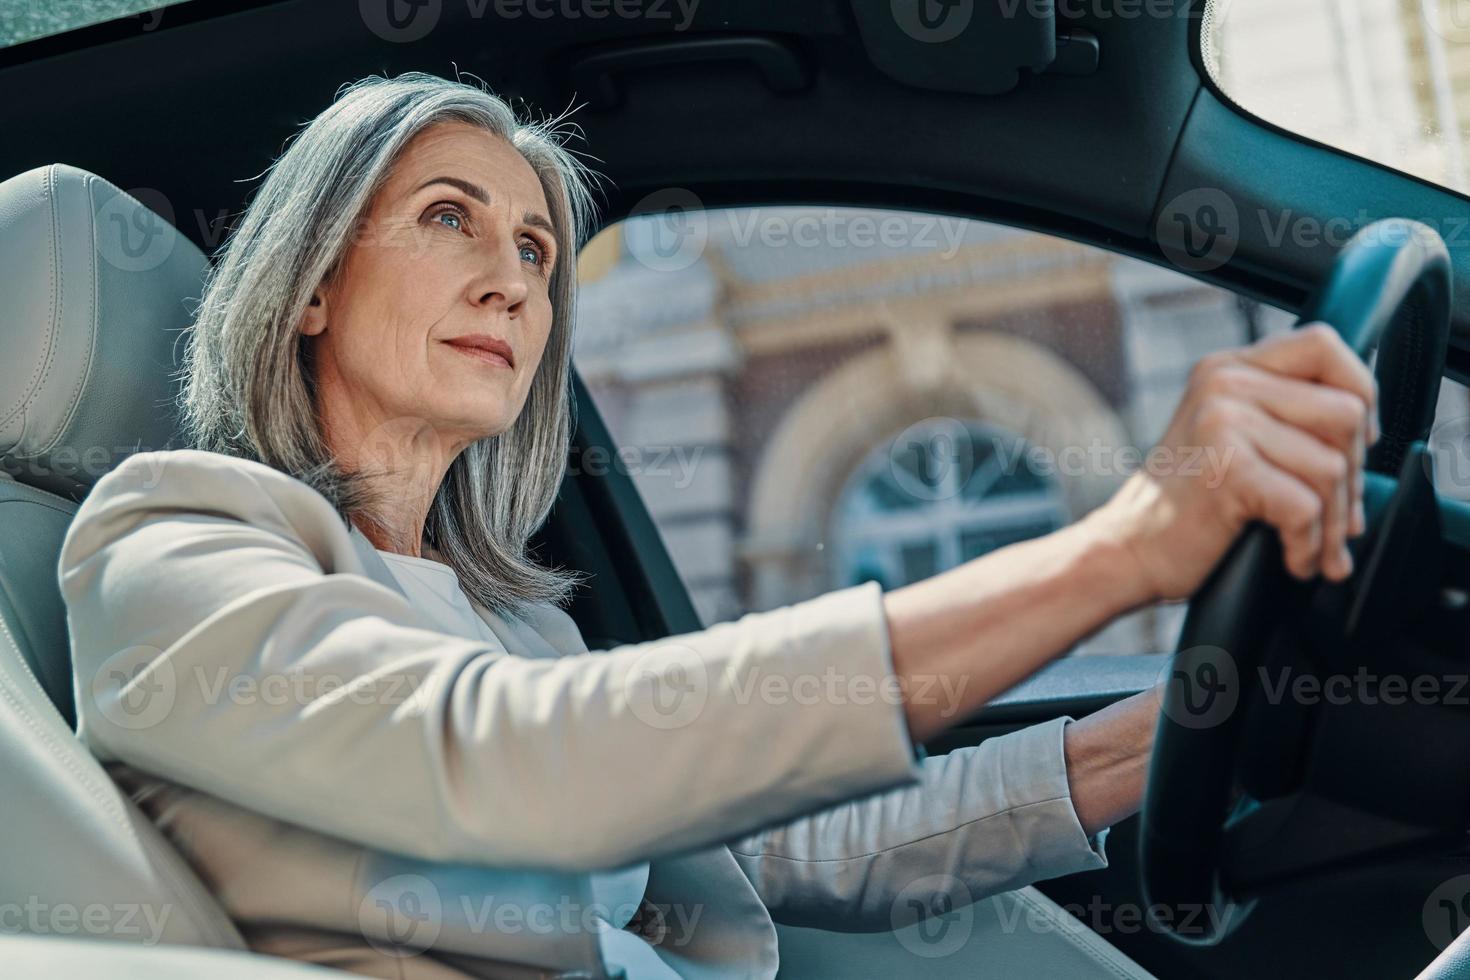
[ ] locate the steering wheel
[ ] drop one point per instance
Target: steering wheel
(1202, 859)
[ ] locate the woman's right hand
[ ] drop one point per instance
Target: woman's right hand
(1274, 432)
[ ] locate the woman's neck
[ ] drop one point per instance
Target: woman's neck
(403, 463)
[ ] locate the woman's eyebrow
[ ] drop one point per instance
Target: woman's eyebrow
(532, 218)
(537, 220)
(473, 190)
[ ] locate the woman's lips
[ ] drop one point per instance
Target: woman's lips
(495, 354)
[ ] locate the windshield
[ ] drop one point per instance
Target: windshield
(26, 20)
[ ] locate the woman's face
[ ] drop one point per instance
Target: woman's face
(441, 309)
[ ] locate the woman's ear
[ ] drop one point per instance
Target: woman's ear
(314, 320)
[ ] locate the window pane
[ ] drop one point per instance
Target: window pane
(26, 20)
(810, 398)
(920, 561)
(1385, 79)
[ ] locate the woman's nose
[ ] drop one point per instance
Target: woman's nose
(501, 285)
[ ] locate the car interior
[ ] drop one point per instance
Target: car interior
(1351, 818)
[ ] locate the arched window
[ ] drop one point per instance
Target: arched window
(940, 493)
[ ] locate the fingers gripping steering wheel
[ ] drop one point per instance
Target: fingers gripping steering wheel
(1388, 290)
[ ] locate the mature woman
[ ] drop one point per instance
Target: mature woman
(385, 746)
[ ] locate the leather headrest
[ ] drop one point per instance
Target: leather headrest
(95, 290)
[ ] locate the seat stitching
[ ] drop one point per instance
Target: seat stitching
(58, 291)
(28, 716)
(1079, 935)
(58, 507)
(109, 801)
(75, 401)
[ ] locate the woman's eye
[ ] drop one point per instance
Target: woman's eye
(450, 217)
(532, 252)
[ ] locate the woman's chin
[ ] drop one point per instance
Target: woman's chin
(485, 423)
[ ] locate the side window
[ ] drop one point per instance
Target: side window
(810, 398)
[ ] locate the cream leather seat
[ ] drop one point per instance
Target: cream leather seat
(92, 303)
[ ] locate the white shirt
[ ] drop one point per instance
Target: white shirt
(433, 587)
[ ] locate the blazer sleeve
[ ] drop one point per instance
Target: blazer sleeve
(216, 645)
(980, 821)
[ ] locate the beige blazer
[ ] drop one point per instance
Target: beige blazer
(363, 790)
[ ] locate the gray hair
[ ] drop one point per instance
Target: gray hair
(247, 379)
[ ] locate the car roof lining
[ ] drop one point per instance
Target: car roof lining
(1090, 158)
